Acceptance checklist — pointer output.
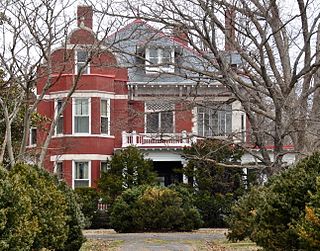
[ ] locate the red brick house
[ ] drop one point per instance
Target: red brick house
(130, 96)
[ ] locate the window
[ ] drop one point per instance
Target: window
(214, 120)
(59, 125)
(104, 112)
(159, 60)
(81, 115)
(159, 117)
(103, 167)
(59, 170)
(33, 136)
(82, 62)
(81, 174)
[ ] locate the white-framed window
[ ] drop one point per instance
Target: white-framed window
(81, 174)
(105, 116)
(214, 120)
(59, 125)
(159, 117)
(81, 116)
(58, 170)
(33, 136)
(159, 60)
(82, 64)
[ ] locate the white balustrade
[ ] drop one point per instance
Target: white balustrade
(157, 140)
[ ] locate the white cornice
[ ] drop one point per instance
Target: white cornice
(86, 94)
(79, 157)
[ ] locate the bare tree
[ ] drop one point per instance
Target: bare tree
(31, 31)
(277, 79)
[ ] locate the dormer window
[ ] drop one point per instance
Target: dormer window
(82, 63)
(159, 60)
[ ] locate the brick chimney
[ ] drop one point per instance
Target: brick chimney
(230, 33)
(84, 16)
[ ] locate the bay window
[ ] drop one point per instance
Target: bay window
(214, 120)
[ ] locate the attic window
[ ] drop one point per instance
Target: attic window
(159, 60)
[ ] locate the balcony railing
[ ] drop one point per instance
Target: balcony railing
(157, 139)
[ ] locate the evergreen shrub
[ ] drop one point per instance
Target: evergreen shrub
(35, 212)
(147, 208)
(274, 216)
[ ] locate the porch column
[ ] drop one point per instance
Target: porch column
(124, 139)
(184, 177)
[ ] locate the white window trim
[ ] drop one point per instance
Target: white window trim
(74, 171)
(157, 69)
(55, 116)
(74, 113)
(76, 62)
(108, 116)
(146, 111)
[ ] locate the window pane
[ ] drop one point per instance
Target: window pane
(59, 105)
(104, 166)
(152, 122)
(82, 170)
(81, 183)
(228, 122)
(167, 122)
(153, 52)
(81, 106)
(104, 125)
(82, 56)
(166, 56)
(60, 125)
(200, 124)
(33, 136)
(81, 124)
(222, 118)
(59, 170)
(104, 107)
(214, 123)
(153, 56)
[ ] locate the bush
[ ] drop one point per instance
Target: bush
(216, 187)
(75, 221)
(34, 210)
(154, 209)
(270, 215)
(88, 199)
(309, 227)
(128, 168)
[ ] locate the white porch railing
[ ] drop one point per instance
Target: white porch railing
(157, 139)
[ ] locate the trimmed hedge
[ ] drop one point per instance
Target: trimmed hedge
(148, 208)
